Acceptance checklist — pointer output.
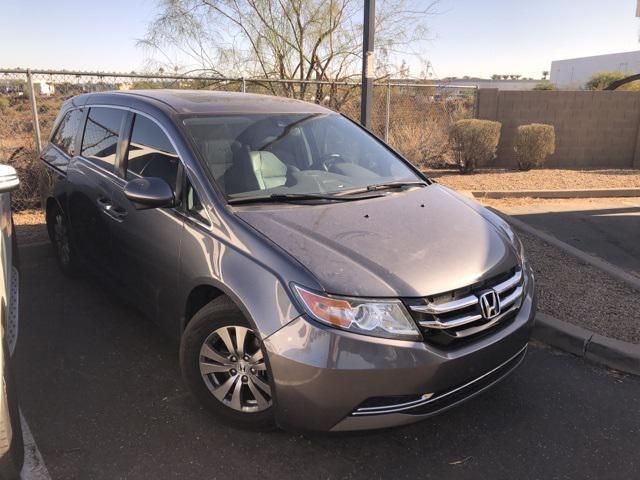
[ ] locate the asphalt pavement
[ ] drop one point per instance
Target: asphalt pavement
(606, 227)
(101, 389)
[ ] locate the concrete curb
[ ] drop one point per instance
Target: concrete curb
(593, 193)
(616, 272)
(616, 354)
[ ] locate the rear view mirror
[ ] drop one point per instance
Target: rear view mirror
(151, 192)
(8, 178)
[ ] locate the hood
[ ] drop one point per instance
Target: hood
(414, 243)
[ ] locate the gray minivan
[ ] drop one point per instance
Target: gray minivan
(315, 279)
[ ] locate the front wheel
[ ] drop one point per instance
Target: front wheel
(222, 361)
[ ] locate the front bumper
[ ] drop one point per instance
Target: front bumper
(325, 379)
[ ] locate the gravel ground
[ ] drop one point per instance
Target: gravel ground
(580, 203)
(576, 292)
(30, 227)
(545, 179)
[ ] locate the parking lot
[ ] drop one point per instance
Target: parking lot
(101, 390)
(606, 227)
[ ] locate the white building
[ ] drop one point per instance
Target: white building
(574, 72)
(43, 88)
(520, 84)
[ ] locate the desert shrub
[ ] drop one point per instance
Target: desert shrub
(474, 141)
(424, 143)
(31, 174)
(601, 80)
(419, 123)
(17, 145)
(545, 85)
(534, 143)
(4, 103)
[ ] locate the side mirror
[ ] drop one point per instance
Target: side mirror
(8, 178)
(151, 192)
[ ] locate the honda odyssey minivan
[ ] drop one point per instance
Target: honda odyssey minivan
(315, 279)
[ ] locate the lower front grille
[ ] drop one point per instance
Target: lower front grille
(430, 403)
(466, 313)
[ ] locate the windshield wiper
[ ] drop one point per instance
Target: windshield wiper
(388, 185)
(292, 197)
(383, 186)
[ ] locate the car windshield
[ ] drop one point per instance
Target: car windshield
(262, 156)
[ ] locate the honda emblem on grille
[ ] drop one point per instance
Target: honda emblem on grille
(490, 304)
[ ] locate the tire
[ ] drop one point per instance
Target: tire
(232, 386)
(60, 235)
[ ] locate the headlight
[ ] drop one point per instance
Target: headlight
(520, 248)
(515, 240)
(508, 231)
(388, 318)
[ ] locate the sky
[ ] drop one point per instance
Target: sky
(467, 37)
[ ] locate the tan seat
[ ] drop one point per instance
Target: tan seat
(270, 172)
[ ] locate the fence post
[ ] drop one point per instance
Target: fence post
(34, 112)
(387, 113)
(476, 103)
(244, 85)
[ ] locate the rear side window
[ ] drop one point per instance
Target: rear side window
(65, 135)
(151, 154)
(100, 140)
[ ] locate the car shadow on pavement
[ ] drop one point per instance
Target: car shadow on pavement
(100, 386)
(612, 234)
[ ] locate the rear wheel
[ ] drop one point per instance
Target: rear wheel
(60, 235)
(222, 361)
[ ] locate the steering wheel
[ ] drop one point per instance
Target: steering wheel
(326, 161)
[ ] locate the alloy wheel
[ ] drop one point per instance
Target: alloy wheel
(233, 368)
(61, 237)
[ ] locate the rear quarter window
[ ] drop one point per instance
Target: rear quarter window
(64, 139)
(65, 135)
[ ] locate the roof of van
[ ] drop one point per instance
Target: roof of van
(206, 101)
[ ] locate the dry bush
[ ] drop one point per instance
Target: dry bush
(425, 144)
(533, 144)
(419, 124)
(30, 172)
(474, 141)
(17, 145)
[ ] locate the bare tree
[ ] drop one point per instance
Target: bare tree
(286, 39)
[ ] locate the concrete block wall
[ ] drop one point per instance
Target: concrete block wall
(594, 129)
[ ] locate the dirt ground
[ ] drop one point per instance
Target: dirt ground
(30, 227)
(544, 179)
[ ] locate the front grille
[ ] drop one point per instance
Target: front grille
(430, 403)
(458, 316)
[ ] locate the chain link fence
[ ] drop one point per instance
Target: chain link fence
(414, 118)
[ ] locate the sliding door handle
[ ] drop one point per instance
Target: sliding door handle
(103, 202)
(118, 213)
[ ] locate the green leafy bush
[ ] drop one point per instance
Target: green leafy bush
(474, 141)
(545, 85)
(534, 143)
(601, 80)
